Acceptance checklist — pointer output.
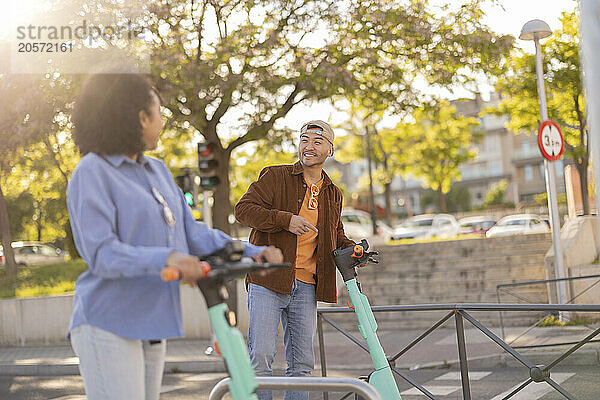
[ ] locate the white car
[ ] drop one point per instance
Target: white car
(358, 225)
(477, 225)
(520, 224)
(35, 253)
(426, 226)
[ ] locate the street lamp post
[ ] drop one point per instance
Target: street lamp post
(536, 30)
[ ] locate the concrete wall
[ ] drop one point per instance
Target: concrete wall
(35, 320)
(464, 271)
(578, 239)
(45, 320)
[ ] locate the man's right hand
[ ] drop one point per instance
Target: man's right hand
(300, 226)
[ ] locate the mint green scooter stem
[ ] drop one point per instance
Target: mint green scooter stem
(226, 265)
(233, 348)
(382, 378)
(346, 261)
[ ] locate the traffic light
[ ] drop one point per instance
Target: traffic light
(186, 183)
(208, 165)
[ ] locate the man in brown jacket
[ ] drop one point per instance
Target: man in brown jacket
(297, 209)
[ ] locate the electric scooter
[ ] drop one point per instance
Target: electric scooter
(346, 261)
(219, 268)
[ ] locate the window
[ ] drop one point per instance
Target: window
(365, 220)
(417, 222)
(513, 222)
(494, 168)
(49, 251)
(492, 144)
(528, 171)
(28, 250)
(350, 218)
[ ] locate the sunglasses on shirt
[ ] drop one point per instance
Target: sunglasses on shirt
(167, 213)
(313, 202)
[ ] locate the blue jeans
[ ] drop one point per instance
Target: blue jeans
(298, 315)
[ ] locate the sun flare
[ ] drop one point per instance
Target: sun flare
(15, 13)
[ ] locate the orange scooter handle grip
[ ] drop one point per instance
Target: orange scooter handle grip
(358, 251)
(169, 274)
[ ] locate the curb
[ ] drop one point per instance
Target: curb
(590, 357)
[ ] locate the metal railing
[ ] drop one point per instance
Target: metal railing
(305, 384)
(503, 287)
(460, 312)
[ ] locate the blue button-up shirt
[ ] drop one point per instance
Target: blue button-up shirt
(121, 233)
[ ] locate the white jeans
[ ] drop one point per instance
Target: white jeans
(116, 368)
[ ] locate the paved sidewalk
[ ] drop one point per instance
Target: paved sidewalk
(438, 350)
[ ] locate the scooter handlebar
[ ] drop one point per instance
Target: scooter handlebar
(229, 271)
(346, 260)
(225, 271)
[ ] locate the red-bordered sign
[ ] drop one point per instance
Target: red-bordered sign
(550, 140)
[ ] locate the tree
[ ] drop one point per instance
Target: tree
(249, 164)
(562, 76)
(230, 70)
(495, 196)
(435, 145)
(23, 119)
(457, 199)
(354, 146)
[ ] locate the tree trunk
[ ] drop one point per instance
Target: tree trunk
(387, 187)
(582, 168)
(10, 265)
(70, 241)
(371, 192)
(442, 198)
(221, 208)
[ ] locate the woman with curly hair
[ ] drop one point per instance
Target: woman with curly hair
(130, 221)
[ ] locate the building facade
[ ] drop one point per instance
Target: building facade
(501, 155)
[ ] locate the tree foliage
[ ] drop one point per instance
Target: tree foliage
(566, 106)
(231, 70)
(495, 196)
(457, 199)
(434, 146)
(24, 118)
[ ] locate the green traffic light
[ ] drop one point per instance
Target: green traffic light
(189, 198)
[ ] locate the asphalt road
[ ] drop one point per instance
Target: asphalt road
(581, 382)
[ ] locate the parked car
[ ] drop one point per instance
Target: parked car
(519, 224)
(478, 225)
(358, 225)
(35, 253)
(546, 219)
(427, 225)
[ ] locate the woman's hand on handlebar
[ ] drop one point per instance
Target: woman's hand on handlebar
(190, 268)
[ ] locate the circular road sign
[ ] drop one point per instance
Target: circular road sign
(550, 140)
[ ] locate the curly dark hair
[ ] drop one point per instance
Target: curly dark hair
(106, 113)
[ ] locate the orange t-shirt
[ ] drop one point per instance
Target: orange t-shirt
(306, 256)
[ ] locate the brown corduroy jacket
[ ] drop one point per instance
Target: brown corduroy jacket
(267, 207)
